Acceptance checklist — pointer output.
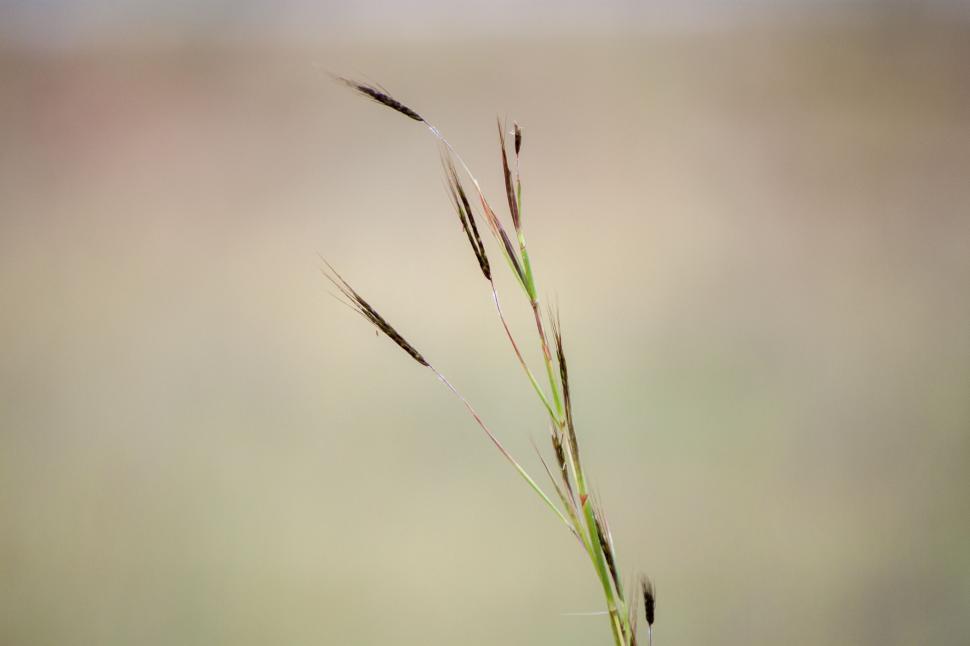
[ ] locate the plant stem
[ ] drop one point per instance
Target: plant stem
(508, 456)
(619, 624)
(518, 354)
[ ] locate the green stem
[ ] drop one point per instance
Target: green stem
(530, 288)
(619, 622)
(518, 354)
(599, 563)
(508, 456)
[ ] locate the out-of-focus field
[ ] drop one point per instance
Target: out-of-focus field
(760, 243)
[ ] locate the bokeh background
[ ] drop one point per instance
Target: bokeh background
(755, 218)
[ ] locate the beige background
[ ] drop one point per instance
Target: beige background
(756, 229)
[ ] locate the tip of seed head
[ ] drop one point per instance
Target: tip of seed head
(649, 599)
(518, 138)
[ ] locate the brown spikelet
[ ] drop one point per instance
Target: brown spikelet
(383, 98)
(499, 232)
(510, 250)
(564, 378)
(509, 189)
(561, 460)
(364, 309)
(518, 138)
(466, 216)
(649, 599)
(607, 546)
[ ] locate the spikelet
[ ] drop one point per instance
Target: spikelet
(370, 314)
(465, 214)
(382, 97)
(507, 173)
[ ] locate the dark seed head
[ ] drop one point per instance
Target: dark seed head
(649, 599)
(510, 251)
(564, 378)
(383, 98)
(518, 138)
(509, 189)
(606, 547)
(466, 216)
(364, 309)
(557, 448)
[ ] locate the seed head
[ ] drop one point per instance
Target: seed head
(383, 98)
(509, 189)
(465, 215)
(649, 599)
(607, 546)
(561, 460)
(564, 378)
(363, 308)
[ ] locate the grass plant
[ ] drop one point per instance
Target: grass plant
(572, 502)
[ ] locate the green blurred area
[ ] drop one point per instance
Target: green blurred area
(759, 241)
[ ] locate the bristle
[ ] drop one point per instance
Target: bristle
(369, 313)
(383, 98)
(632, 617)
(649, 599)
(466, 216)
(509, 190)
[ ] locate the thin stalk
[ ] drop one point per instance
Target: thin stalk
(508, 456)
(518, 354)
(530, 287)
(567, 502)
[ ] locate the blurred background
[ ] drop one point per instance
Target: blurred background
(754, 218)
